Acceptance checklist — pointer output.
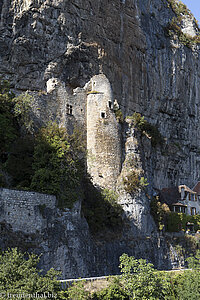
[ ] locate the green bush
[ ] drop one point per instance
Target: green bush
(8, 124)
(177, 221)
(78, 292)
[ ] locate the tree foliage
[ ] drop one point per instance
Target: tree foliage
(140, 279)
(19, 275)
(58, 163)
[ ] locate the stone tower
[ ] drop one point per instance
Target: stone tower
(103, 135)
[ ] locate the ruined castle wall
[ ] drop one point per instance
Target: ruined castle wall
(61, 104)
(23, 210)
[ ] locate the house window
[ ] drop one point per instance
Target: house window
(189, 196)
(103, 115)
(193, 211)
(177, 209)
(110, 104)
(69, 109)
(183, 209)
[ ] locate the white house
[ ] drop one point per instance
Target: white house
(188, 198)
(182, 199)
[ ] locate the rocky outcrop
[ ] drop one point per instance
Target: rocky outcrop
(54, 48)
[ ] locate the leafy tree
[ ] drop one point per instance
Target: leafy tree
(186, 286)
(58, 164)
(19, 275)
(140, 279)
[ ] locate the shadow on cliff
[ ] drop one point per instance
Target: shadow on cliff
(102, 212)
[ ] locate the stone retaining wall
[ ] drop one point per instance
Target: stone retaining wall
(24, 210)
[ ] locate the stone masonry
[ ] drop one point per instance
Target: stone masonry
(23, 210)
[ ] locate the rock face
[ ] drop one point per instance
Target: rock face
(31, 221)
(56, 49)
(69, 42)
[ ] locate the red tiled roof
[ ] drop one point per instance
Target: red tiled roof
(197, 188)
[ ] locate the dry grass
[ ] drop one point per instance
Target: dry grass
(96, 285)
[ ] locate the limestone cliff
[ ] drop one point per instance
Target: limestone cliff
(56, 49)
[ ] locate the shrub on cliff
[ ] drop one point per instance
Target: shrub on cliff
(133, 182)
(160, 212)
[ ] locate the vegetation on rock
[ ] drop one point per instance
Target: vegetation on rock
(178, 221)
(181, 10)
(118, 114)
(147, 129)
(133, 182)
(159, 211)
